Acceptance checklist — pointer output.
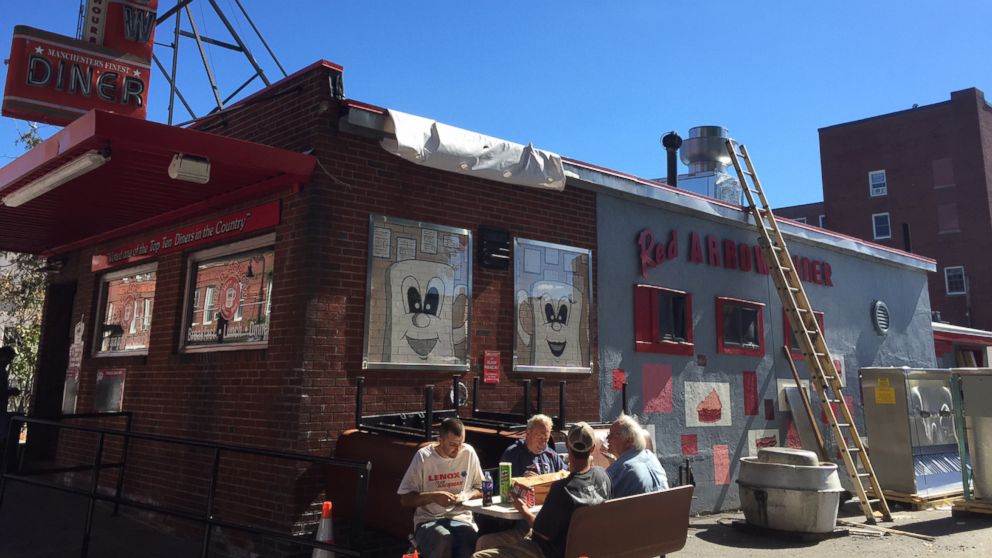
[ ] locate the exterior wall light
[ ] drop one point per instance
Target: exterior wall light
(69, 171)
(190, 168)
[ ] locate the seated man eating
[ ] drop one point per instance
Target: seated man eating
(440, 477)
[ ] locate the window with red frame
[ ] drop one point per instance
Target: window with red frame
(662, 320)
(790, 340)
(739, 327)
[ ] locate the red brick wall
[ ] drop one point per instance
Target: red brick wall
(906, 144)
(298, 394)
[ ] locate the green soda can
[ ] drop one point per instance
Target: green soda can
(504, 482)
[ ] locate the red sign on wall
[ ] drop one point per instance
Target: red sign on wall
(56, 79)
(490, 367)
(221, 228)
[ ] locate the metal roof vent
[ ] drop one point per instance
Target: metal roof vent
(880, 317)
(705, 153)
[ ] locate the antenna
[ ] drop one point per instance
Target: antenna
(177, 12)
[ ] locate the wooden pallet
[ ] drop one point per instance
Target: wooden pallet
(967, 507)
(918, 502)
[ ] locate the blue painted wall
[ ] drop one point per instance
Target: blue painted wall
(858, 281)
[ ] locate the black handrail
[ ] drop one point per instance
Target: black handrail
(207, 519)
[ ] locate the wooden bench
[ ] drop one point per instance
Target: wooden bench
(636, 526)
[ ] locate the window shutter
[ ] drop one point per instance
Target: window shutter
(643, 313)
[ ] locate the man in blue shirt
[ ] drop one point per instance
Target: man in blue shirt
(636, 469)
(532, 455)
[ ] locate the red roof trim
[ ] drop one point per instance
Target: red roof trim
(364, 106)
(961, 338)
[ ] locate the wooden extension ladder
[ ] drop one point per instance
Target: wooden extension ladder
(807, 332)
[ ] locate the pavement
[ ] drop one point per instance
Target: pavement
(43, 523)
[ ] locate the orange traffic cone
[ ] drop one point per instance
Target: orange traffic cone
(414, 555)
(325, 532)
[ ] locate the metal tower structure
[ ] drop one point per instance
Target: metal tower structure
(191, 30)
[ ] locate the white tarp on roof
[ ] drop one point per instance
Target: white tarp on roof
(430, 143)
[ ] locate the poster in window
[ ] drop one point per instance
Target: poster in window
(418, 295)
(71, 390)
(109, 395)
(552, 306)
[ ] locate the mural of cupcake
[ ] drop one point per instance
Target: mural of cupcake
(710, 409)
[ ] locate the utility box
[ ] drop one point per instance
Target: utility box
(910, 423)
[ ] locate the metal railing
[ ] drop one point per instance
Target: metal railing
(207, 519)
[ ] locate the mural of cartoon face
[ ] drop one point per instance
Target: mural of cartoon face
(550, 323)
(420, 321)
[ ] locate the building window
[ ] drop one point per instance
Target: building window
(800, 220)
(208, 304)
(821, 220)
(947, 218)
(740, 327)
(146, 314)
(881, 227)
(236, 281)
(662, 321)
(126, 310)
(877, 184)
(790, 340)
(954, 280)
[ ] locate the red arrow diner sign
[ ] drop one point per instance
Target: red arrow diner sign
(222, 228)
(56, 79)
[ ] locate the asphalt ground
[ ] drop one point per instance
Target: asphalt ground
(43, 523)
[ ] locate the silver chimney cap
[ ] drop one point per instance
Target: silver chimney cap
(705, 150)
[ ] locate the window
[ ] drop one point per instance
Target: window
(955, 281)
(947, 218)
(791, 341)
(821, 220)
(126, 310)
(740, 327)
(881, 228)
(133, 328)
(208, 305)
(146, 314)
(662, 321)
(236, 281)
(800, 220)
(877, 184)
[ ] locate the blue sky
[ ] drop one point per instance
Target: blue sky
(602, 81)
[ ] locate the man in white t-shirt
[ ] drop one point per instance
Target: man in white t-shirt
(440, 477)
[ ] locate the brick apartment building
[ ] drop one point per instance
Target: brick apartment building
(919, 180)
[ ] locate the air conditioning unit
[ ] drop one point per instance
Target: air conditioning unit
(190, 168)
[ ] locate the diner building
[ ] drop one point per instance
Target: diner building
(232, 281)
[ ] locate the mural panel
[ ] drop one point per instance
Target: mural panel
(708, 404)
(418, 295)
(553, 298)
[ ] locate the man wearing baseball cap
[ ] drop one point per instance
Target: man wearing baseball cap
(586, 485)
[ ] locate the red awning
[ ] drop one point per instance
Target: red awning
(132, 190)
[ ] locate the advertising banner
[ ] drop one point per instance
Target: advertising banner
(221, 228)
(56, 79)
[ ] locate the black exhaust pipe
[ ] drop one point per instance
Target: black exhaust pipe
(672, 142)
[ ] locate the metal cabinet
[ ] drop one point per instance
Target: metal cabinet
(910, 423)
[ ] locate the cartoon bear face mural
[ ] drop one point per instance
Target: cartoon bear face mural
(551, 324)
(425, 316)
